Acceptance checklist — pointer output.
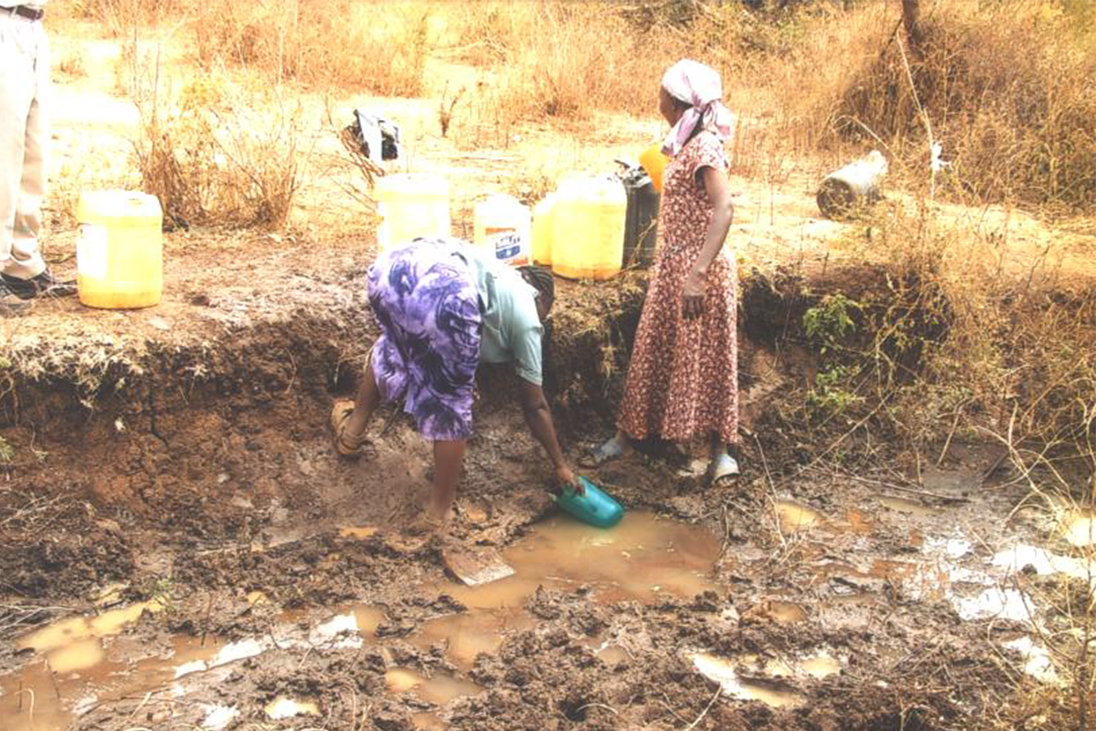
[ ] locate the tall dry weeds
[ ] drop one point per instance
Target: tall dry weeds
(381, 47)
(1006, 88)
(214, 159)
(119, 16)
(564, 61)
(961, 345)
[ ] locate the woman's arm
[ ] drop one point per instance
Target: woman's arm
(719, 193)
(539, 418)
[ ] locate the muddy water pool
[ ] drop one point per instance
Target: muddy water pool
(80, 662)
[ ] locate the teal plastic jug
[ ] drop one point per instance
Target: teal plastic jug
(595, 507)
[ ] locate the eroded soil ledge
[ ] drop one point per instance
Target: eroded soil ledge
(193, 464)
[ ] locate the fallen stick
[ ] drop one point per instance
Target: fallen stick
(707, 708)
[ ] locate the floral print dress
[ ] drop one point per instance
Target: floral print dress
(683, 378)
(425, 300)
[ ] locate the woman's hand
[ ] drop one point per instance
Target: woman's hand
(539, 419)
(692, 294)
(566, 478)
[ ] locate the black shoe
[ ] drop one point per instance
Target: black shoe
(44, 285)
(9, 301)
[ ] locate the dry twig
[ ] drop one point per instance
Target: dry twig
(718, 692)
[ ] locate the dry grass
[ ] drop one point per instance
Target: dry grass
(71, 65)
(213, 159)
(345, 44)
(73, 178)
(1003, 88)
(321, 43)
(957, 344)
(574, 59)
(565, 61)
(119, 16)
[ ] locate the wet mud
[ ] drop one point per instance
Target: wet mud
(196, 556)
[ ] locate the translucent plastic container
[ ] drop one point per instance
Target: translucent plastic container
(654, 161)
(119, 249)
(543, 213)
(588, 228)
(411, 206)
(502, 227)
(595, 507)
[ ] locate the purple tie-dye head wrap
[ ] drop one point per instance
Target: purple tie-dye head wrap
(698, 86)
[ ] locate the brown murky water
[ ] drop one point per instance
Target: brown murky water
(44, 696)
(428, 722)
(795, 516)
(613, 655)
(76, 643)
(439, 689)
(639, 559)
(80, 662)
(786, 612)
(76, 664)
(821, 665)
(360, 532)
(467, 635)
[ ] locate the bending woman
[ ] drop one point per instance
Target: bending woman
(683, 377)
(442, 310)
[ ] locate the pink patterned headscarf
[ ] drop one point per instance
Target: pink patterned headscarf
(698, 86)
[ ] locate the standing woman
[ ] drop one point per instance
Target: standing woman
(683, 377)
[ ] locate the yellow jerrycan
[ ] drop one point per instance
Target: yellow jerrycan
(588, 228)
(119, 249)
(654, 162)
(502, 229)
(410, 206)
(543, 214)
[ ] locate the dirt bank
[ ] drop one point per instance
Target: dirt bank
(184, 458)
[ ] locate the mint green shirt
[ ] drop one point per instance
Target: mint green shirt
(511, 325)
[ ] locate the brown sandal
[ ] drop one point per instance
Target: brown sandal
(345, 445)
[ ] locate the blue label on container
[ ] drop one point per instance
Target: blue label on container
(507, 246)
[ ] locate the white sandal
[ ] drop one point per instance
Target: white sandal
(723, 468)
(607, 452)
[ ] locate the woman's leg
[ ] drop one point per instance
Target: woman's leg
(448, 460)
(350, 419)
(369, 397)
